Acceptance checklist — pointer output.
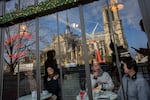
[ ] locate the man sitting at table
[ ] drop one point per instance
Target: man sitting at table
(28, 84)
(100, 79)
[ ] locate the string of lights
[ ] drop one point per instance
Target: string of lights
(40, 9)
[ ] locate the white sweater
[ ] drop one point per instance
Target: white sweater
(104, 77)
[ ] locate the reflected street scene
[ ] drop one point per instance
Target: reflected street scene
(74, 50)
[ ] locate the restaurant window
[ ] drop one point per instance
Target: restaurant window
(103, 31)
(11, 5)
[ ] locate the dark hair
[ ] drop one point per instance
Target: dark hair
(51, 61)
(131, 63)
(52, 66)
(51, 53)
(94, 61)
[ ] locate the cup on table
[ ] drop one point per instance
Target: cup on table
(95, 92)
(44, 92)
(82, 94)
(34, 94)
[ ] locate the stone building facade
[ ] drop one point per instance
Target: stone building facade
(71, 44)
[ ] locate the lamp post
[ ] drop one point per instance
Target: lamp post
(114, 3)
(21, 28)
(22, 33)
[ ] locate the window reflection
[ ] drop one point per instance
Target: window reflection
(11, 6)
(107, 25)
(26, 3)
(41, 1)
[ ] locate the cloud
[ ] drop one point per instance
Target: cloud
(131, 13)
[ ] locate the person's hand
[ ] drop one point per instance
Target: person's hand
(97, 87)
(95, 75)
(100, 82)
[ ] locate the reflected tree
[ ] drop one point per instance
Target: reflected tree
(19, 46)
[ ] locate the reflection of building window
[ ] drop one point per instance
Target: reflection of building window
(112, 15)
(107, 15)
(92, 46)
(93, 54)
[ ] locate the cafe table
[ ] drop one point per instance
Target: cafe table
(105, 95)
(29, 97)
(101, 95)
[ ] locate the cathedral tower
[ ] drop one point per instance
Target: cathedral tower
(120, 39)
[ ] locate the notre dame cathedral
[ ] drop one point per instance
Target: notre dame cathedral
(98, 43)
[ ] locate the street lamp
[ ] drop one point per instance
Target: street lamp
(116, 5)
(23, 28)
(21, 34)
(74, 25)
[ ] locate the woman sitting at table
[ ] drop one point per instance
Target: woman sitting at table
(51, 81)
(28, 84)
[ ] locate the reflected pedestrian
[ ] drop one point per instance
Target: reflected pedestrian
(51, 60)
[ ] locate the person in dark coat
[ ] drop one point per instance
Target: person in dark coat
(51, 81)
(51, 60)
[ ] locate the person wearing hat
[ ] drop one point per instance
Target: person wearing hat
(134, 85)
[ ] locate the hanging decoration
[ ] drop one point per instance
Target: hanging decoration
(41, 9)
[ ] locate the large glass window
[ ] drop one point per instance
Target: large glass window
(11, 6)
(70, 42)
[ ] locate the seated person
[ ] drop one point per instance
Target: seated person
(28, 84)
(100, 79)
(134, 85)
(51, 81)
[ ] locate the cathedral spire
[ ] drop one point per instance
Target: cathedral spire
(67, 24)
